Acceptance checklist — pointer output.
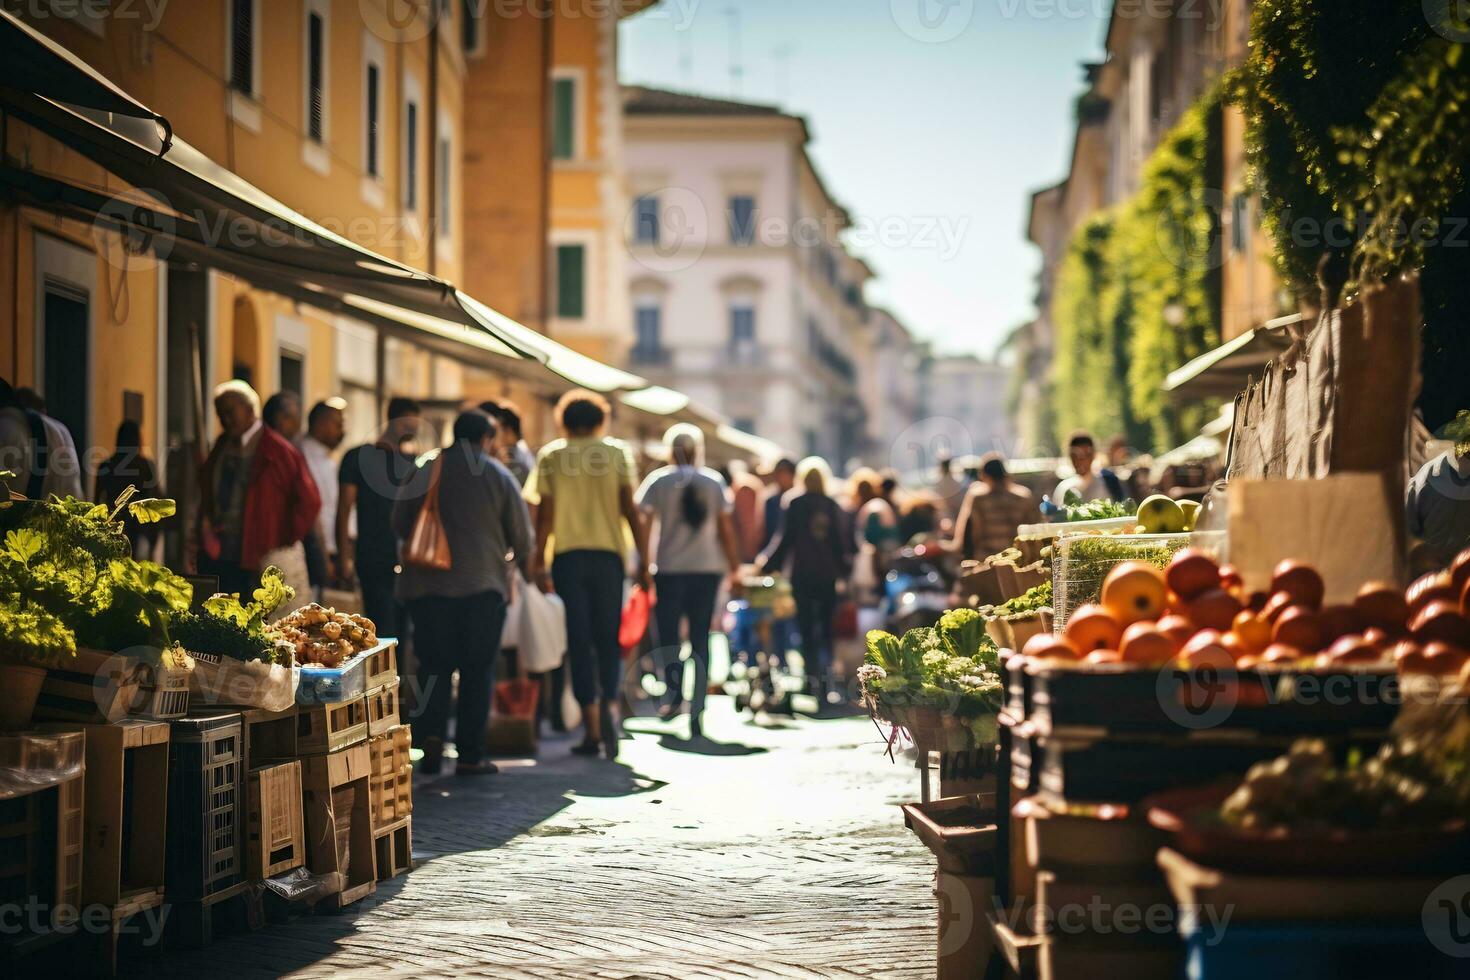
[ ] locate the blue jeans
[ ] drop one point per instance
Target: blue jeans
(681, 597)
(590, 584)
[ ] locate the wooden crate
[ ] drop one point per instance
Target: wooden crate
(126, 787)
(94, 686)
(270, 736)
(382, 708)
(391, 777)
(382, 664)
(339, 821)
(393, 846)
(41, 832)
(275, 838)
(331, 726)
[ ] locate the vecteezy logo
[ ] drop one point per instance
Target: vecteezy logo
(1196, 697)
(135, 230)
(399, 21)
(932, 21)
(668, 229)
(1450, 19)
(1446, 917)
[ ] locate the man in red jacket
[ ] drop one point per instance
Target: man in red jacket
(258, 497)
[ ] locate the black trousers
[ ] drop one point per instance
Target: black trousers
(686, 597)
(458, 634)
(816, 608)
(590, 584)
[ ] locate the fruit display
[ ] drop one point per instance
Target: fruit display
(1196, 612)
(1160, 514)
(1072, 509)
(324, 637)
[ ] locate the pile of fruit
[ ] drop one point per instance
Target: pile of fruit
(325, 637)
(1159, 514)
(1198, 613)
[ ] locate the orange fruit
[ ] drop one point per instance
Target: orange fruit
(1254, 632)
(1382, 604)
(1094, 627)
(1191, 572)
(1215, 609)
(1049, 646)
(1134, 591)
(1300, 581)
(1145, 643)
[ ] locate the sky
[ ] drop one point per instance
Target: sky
(933, 120)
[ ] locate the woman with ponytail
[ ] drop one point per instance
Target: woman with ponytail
(690, 506)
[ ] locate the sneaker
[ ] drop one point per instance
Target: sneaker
(586, 747)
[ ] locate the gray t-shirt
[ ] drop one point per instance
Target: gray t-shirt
(681, 548)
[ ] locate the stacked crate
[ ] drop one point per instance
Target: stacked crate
(41, 835)
(206, 815)
(391, 773)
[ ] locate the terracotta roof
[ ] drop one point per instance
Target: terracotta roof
(642, 100)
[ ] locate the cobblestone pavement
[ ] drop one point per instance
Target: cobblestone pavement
(783, 855)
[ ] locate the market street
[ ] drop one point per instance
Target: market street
(784, 857)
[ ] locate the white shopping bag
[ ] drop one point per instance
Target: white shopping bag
(536, 625)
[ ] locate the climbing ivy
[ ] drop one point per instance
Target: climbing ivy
(1138, 294)
(1357, 139)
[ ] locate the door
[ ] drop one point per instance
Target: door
(66, 360)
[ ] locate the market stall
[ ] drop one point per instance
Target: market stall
(161, 750)
(1226, 740)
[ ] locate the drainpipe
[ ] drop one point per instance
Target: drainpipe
(433, 156)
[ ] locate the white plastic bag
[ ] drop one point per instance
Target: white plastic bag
(536, 625)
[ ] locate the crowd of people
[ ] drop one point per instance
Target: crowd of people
(573, 519)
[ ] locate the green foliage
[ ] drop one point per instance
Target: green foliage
(1139, 293)
(1356, 139)
(67, 577)
(1074, 509)
(951, 668)
(1028, 603)
(231, 628)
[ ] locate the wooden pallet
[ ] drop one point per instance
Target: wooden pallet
(330, 727)
(390, 779)
(275, 838)
(382, 708)
(393, 845)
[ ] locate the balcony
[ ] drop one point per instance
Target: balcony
(645, 356)
(745, 354)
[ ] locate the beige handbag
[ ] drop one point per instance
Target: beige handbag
(428, 545)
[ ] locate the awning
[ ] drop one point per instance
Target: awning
(1228, 369)
(656, 400)
(751, 445)
(191, 209)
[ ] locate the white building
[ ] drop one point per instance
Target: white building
(972, 392)
(891, 390)
(743, 295)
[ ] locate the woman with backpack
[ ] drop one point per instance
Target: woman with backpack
(690, 505)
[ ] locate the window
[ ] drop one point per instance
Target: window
(469, 26)
(563, 118)
(742, 219)
(292, 368)
(242, 46)
(648, 326)
(445, 189)
(571, 261)
(645, 219)
(371, 123)
(411, 156)
(1240, 210)
(316, 107)
(742, 325)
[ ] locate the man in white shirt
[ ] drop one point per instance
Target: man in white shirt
(1088, 483)
(947, 487)
(326, 425)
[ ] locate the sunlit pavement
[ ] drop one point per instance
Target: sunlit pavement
(767, 851)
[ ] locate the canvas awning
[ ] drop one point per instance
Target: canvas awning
(1228, 369)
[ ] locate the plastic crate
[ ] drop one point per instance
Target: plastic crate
(1082, 561)
(206, 798)
(382, 708)
(323, 685)
(1315, 951)
(275, 839)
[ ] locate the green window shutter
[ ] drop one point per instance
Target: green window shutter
(563, 118)
(570, 281)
